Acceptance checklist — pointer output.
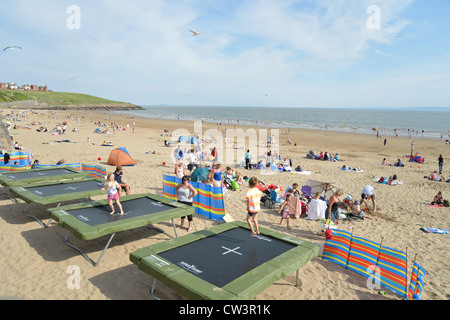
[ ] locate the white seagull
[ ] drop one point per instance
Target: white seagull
(13, 47)
(195, 33)
(73, 78)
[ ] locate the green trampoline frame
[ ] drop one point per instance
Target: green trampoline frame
(245, 287)
(21, 192)
(84, 231)
(8, 182)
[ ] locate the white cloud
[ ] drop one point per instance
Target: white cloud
(142, 51)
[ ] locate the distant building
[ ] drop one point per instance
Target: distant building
(25, 87)
(13, 86)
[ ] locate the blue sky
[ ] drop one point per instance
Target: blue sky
(250, 53)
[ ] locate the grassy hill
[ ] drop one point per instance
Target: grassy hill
(55, 98)
(58, 99)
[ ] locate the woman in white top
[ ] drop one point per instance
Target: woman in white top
(186, 193)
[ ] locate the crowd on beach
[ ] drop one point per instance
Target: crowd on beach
(190, 158)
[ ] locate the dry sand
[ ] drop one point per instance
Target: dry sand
(35, 262)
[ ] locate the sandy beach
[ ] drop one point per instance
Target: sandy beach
(35, 262)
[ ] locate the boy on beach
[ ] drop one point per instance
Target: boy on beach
(253, 204)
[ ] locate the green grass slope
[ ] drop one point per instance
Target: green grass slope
(54, 98)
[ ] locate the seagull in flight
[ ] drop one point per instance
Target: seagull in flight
(73, 78)
(13, 47)
(195, 33)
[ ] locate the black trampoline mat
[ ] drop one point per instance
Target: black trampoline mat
(65, 188)
(37, 174)
(99, 215)
(224, 257)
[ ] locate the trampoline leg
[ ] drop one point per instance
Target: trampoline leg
(153, 290)
(160, 230)
(175, 228)
(5, 195)
(45, 226)
(94, 264)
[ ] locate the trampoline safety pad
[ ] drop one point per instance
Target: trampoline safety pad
(92, 220)
(224, 262)
(38, 175)
(54, 192)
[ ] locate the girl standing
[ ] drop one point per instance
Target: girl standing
(284, 210)
(112, 186)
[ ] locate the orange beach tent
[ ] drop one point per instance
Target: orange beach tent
(120, 157)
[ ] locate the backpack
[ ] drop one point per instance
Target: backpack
(446, 203)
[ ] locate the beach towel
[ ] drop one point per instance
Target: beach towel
(435, 230)
(307, 173)
(316, 209)
(295, 207)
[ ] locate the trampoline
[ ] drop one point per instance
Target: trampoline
(32, 176)
(88, 221)
(57, 192)
(224, 262)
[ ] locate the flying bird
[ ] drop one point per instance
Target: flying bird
(73, 78)
(13, 47)
(195, 33)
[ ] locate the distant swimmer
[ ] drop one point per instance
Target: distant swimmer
(195, 33)
(12, 47)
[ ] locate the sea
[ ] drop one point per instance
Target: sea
(428, 123)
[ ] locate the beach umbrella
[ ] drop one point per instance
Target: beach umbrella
(199, 174)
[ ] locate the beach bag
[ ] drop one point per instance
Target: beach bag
(446, 203)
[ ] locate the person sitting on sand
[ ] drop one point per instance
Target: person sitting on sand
(399, 163)
(357, 210)
(439, 177)
(384, 162)
(432, 176)
(35, 163)
(240, 178)
(17, 147)
(393, 179)
(438, 200)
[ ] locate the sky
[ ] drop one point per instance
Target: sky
(323, 53)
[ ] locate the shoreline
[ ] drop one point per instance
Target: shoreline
(391, 133)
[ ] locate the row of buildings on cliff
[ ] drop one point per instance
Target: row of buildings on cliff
(25, 87)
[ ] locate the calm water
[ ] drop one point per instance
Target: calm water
(433, 122)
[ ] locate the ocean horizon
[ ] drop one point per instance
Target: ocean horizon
(422, 122)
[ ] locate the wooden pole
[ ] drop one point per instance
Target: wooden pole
(417, 277)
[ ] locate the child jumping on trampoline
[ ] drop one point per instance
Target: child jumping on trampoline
(253, 205)
(112, 186)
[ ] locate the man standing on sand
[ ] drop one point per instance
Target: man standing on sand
(441, 163)
(248, 157)
(412, 147)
